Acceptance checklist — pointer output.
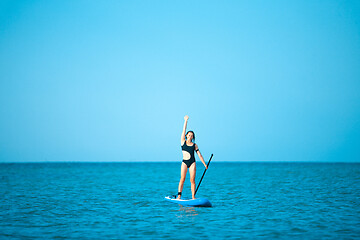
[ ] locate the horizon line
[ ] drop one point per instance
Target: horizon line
(223, 161)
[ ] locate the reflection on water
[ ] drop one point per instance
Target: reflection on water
(186, 212)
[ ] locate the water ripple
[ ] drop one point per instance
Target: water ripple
(125, 200)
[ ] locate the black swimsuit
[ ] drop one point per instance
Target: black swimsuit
(190, 150)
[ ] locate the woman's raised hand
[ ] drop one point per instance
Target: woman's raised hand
(186, 118)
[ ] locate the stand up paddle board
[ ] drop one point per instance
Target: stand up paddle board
(198, 202)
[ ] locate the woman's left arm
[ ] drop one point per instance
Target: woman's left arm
(200, 156)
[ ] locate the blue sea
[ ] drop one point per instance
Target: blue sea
(255, 200)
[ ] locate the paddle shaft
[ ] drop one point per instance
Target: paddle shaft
(203, 174)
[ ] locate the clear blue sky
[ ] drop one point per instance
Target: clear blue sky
(112, 80)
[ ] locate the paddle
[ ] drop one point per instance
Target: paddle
(203, 174)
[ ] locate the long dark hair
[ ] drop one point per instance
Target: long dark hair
(193, 135)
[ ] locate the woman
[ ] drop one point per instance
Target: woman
(188, 147)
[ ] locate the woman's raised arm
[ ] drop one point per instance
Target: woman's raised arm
(186, 118)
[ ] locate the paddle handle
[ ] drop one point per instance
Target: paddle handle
(203, 174)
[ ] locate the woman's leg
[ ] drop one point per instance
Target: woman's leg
(182, 179)
(192, 170)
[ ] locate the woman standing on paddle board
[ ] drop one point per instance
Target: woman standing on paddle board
(188, 147)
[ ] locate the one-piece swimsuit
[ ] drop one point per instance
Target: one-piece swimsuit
(190, 150)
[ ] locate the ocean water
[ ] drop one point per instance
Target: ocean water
(125, 200)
